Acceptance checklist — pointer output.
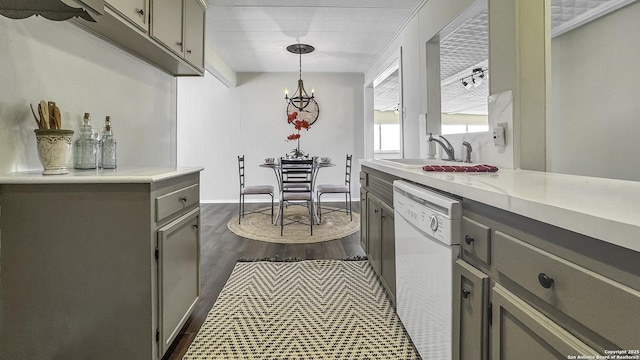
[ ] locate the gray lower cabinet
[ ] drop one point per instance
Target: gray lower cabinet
(363, 219)
(554, 293)
(520, 332)
(470, 312)
(97, 270)
(378, 227)
(178, 275)
(381, 242)
(373, 226)
(388, 249)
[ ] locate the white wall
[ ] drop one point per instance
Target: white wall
(218, 123)
(594, 127)
(428, 22)
(57, 61)
(431, 18)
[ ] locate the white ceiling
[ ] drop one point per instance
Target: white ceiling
(251, 35)
(465, 47)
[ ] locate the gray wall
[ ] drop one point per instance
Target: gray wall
(594, 127)
(57, 61)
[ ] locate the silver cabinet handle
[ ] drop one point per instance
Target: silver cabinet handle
(183, 198)
(141, 12)
(195, 226)
(179, 43)
(189, 51)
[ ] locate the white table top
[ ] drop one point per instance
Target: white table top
(113, 176)
(604, 209)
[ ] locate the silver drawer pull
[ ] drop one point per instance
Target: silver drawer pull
(545, 280)
(140, 11)
(195, 226)
(183, 198)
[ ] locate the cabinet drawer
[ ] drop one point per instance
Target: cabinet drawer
(597, 302)
(174, 202)
(476, 239)
(364, 179)
(520, 332)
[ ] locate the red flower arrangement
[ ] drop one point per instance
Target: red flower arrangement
(299, 125)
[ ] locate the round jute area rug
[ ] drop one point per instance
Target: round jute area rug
(335, 225)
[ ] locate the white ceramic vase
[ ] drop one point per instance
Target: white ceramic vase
(54, 150)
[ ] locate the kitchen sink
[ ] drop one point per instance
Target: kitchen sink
(418, 163)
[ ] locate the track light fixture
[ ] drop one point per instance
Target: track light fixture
(475, 79)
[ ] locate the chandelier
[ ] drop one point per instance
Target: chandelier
(475, 79)
(300, 99)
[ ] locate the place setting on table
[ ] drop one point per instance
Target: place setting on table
(296, 174)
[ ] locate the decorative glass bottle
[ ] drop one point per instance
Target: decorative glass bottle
(109, 160)
(98, 139)
(85, 147)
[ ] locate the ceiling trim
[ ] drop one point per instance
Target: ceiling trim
(590, 15)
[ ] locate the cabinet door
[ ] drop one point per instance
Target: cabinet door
(194, 33)
(374, 246)
(470, 300)
(166, 24)
(134, 11)
(520, 332)
(363, 219)
(388, 248)
(178, 275)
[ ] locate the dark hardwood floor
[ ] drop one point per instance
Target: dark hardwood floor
(219, 250)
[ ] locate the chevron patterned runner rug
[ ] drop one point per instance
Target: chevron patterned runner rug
(312, 309)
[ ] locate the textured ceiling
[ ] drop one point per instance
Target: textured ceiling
(251, 35)
(466, 47)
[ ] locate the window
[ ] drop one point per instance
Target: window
(386, 138)
(464, 128)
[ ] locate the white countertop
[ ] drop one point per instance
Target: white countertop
(604, 209)
(104, 176)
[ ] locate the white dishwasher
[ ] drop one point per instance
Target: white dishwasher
(427, 230)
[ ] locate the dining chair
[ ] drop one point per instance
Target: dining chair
(338, 189)
(296, 186)
(251, 190)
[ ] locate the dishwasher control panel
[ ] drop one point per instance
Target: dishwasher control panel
(432, 213)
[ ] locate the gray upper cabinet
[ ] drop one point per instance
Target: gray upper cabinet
(134, 11)
(166, 24)
(179, 25)
(194, 33)
(168, 34)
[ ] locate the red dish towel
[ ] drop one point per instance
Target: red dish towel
(460, 168)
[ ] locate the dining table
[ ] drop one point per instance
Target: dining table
(317, 165)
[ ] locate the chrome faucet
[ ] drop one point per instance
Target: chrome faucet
(468, 149)
(447, 148)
